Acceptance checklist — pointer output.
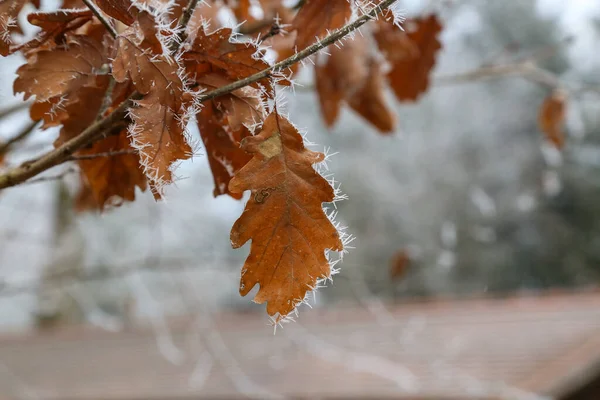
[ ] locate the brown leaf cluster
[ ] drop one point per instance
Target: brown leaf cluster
(354, 73)
(81, 66)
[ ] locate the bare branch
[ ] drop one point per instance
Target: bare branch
(100, 155)
(527, 70)
(14, 108)
(52, 177)
(26, 131)
(57, 156)
(183, 23)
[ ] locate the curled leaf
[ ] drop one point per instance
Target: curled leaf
(414, 55)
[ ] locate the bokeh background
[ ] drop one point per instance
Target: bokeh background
(467, 194)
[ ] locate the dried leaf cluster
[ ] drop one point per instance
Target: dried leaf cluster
(124, 79)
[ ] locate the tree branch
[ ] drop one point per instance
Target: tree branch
(528, 70)
(183, 23)
(26, 131)
(14, 108)
(57, 156)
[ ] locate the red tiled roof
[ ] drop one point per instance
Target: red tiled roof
(478, 348)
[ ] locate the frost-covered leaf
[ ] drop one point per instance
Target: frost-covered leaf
(9, 15)
(284, 217)
(317, 17)
(61, 71)
(216, 50)
(122, 10)
(222, 145)
(158, 131)
(241, 107)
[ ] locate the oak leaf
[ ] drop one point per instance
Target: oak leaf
(58, 72)
(112, 179)
(54, 28)
(159, 119)
(242, 106)
(400, 264)
(9, 15)
(410, 65)
(222, 145)
(217, 51)
(317, 17)
(339, 76)
(551, 118)
(122, 10)
(284, 218)
(352, 75)
(370, 103)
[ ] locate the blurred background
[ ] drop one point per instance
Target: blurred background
(473, 273)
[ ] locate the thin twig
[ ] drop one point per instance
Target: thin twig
(99, 155)
(99, 15)
(51, 177)
(14, 108)
(183, 23)
(107, 98)
(55, 157)
(26, 131)
(527, 70)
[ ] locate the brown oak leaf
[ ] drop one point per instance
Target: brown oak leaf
(122, 10)
(237, 60)
(317, 17)
(340, 76)
(108, 178)
(284, 217)
(54, 28)
(112, 179)
(400, 264)
(351, 74)
(551, 118)
(9, 15)
(242, 106)
(159, 118)
(222, 145)
(58, 72)
(410, 65)
(370, 103)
